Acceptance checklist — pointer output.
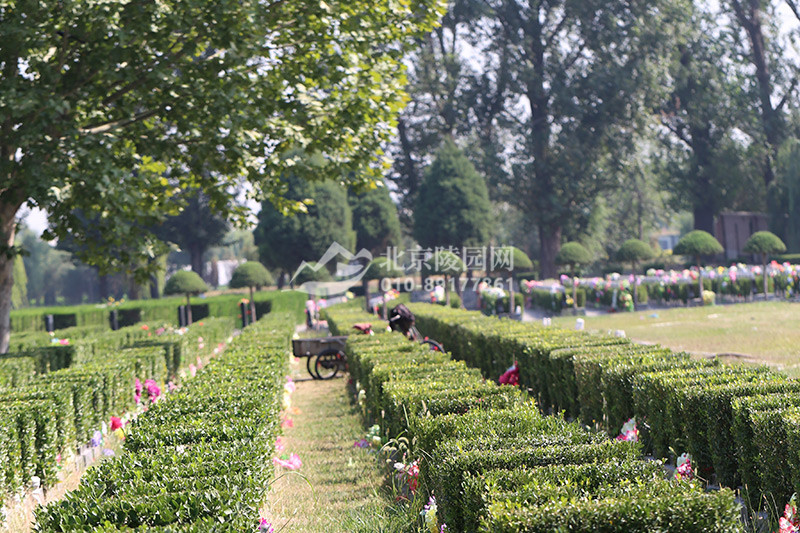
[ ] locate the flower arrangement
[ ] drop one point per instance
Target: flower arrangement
(408, 474)
(684, 469)
(429, 518)
(265, 527)
(510, 376)
(629, 431)
(789, 522)
(289, 462)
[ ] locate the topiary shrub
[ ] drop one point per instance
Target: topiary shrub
(698, 243)
(188, 283)
(764, 244)
(251, 274)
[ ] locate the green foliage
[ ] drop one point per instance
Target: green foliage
(185, 282)
(375, 220)
(251, 274)
(488, 453)
(521, 260)
(635, 251)
(196, 228)
(285, 242)
(443, 262)
(764, 242)
(380, 268)
(452, 206)
(573, 253)
(228, 416)
(698, 243)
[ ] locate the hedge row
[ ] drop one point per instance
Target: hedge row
(164, 310)
(46, 414)
(496, 463)
(718, 413)
(197, 461)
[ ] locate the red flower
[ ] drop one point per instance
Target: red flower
(116, 423)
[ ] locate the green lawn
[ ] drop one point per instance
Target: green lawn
(762, 331)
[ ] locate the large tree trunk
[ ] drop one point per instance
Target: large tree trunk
(196, 252)
(704, 219)
(8, 228)
(550, 237)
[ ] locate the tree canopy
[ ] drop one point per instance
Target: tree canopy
(635, 250)
(698, 243)
(375, 220)
(764, 242)
(250, 274)
(573, 253)
(185, 282)
(452, 206)
(285, 242)
(110, 108)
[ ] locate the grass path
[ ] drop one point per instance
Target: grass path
(341, 491)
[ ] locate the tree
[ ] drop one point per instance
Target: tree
(111, 108)
(785, 217)
(698, 243)
(251, 274)
(579, 79)
(520, 261)
(379, 269)
(195, 229)
(188, 283)
(764, 243)
(452, 206)
(444, 263)
(775, 82)
(708, 159)
(634, 251)
(285, 242)
(375, 220)
(573, 253)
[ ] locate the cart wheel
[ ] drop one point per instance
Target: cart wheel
(310, 366)
(328, 363)
(435, 346)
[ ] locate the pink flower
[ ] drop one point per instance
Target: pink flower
(171, 386)
(279, 445)
(116, 423)
(363, 443)
(137, 386)
(153, 390)
(287, 423)
(290, 386)
(293, 462)
(199, 362)
(192, 370)
(63, 342)
(265, 527)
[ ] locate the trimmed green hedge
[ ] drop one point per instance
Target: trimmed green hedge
(198, 460)
(465, 430)
(680, 404)
(164, 310)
